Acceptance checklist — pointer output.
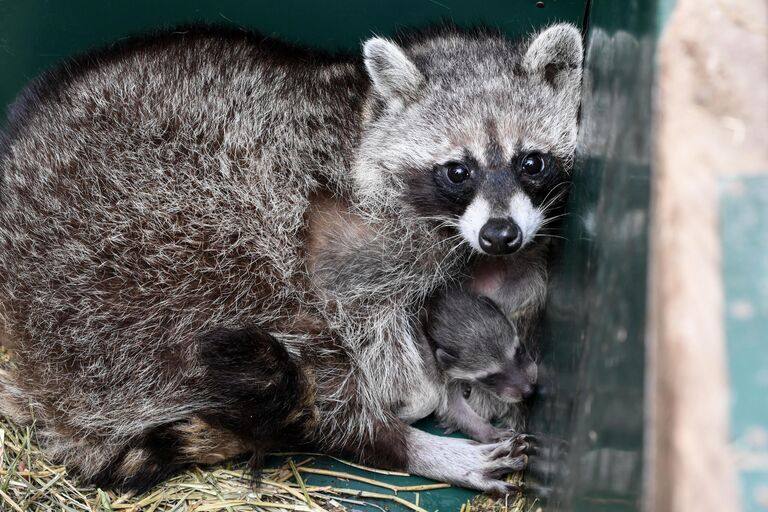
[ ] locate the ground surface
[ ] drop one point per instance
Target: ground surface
(296, 482)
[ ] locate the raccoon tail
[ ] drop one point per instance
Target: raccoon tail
(260, 399)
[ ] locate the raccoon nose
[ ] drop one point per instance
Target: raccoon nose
(500, 236)
(526, 390)
(515, 392)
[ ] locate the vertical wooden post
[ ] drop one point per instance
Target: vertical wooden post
(712, 120)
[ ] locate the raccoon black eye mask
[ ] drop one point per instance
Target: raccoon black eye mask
(256, 284)
(477, 196)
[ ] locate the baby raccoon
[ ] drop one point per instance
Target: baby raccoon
(475, 347)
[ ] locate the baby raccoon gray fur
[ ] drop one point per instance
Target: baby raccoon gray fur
(476, 348)
(212, 243)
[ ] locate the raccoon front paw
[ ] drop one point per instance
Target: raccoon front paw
(466, 463)
(502, 458)
(522, 443)
(498, 460)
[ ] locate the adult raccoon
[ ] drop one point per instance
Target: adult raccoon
(212, 242)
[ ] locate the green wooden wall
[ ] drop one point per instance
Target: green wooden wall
(35, 34)
(589, 410)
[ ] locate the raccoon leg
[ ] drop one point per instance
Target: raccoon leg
(466, 463)
(458, 414)
(394, 445)
(258, 398)
(461, 462)
(359, 430)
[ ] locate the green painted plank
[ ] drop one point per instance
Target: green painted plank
(666, 8)
(442, 500)
(744, 239)
(36, 34)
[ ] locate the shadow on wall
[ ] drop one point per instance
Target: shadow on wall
(589, 411)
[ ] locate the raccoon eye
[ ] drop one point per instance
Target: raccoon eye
(457, 173)
(532, 164)
(490, 380)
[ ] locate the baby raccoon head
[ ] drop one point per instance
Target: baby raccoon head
(504, 369)
(473, 342)
(472, 131)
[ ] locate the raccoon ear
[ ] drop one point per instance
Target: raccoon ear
(555, 55)
(395, 77)
(445, 358)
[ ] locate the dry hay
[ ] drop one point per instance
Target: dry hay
(30, 483)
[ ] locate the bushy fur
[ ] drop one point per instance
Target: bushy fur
(476, 349)
(173, 188)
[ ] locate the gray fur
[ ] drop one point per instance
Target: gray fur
(477, 350)
(517, 285)
(194, 181)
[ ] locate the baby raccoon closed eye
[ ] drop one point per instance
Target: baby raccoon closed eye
(476, 347)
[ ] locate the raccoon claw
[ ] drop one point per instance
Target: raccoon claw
(521, 444)
(500, 488)
(502, 459)
(510, 465)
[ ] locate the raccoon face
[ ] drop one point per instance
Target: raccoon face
(472, 131)
(474, 343)
(500, 208)
(510, 374)
(517, 379)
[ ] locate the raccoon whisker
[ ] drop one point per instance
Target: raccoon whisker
(443, 241)
(555, 217)
(549, 220)
(550, 226)
(442, 221)
(455, 237)
(550, 231)
(553, 200)
(548, 208)
(457, 246)
(438, 217)
(433, 217)
(545, 235)
(451, 251)
(447, 225)
(562, 183)
(556, 197)
(446, 241)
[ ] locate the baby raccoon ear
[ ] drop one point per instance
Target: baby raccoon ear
(395, 77)
(555, 55)
(444, 358)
